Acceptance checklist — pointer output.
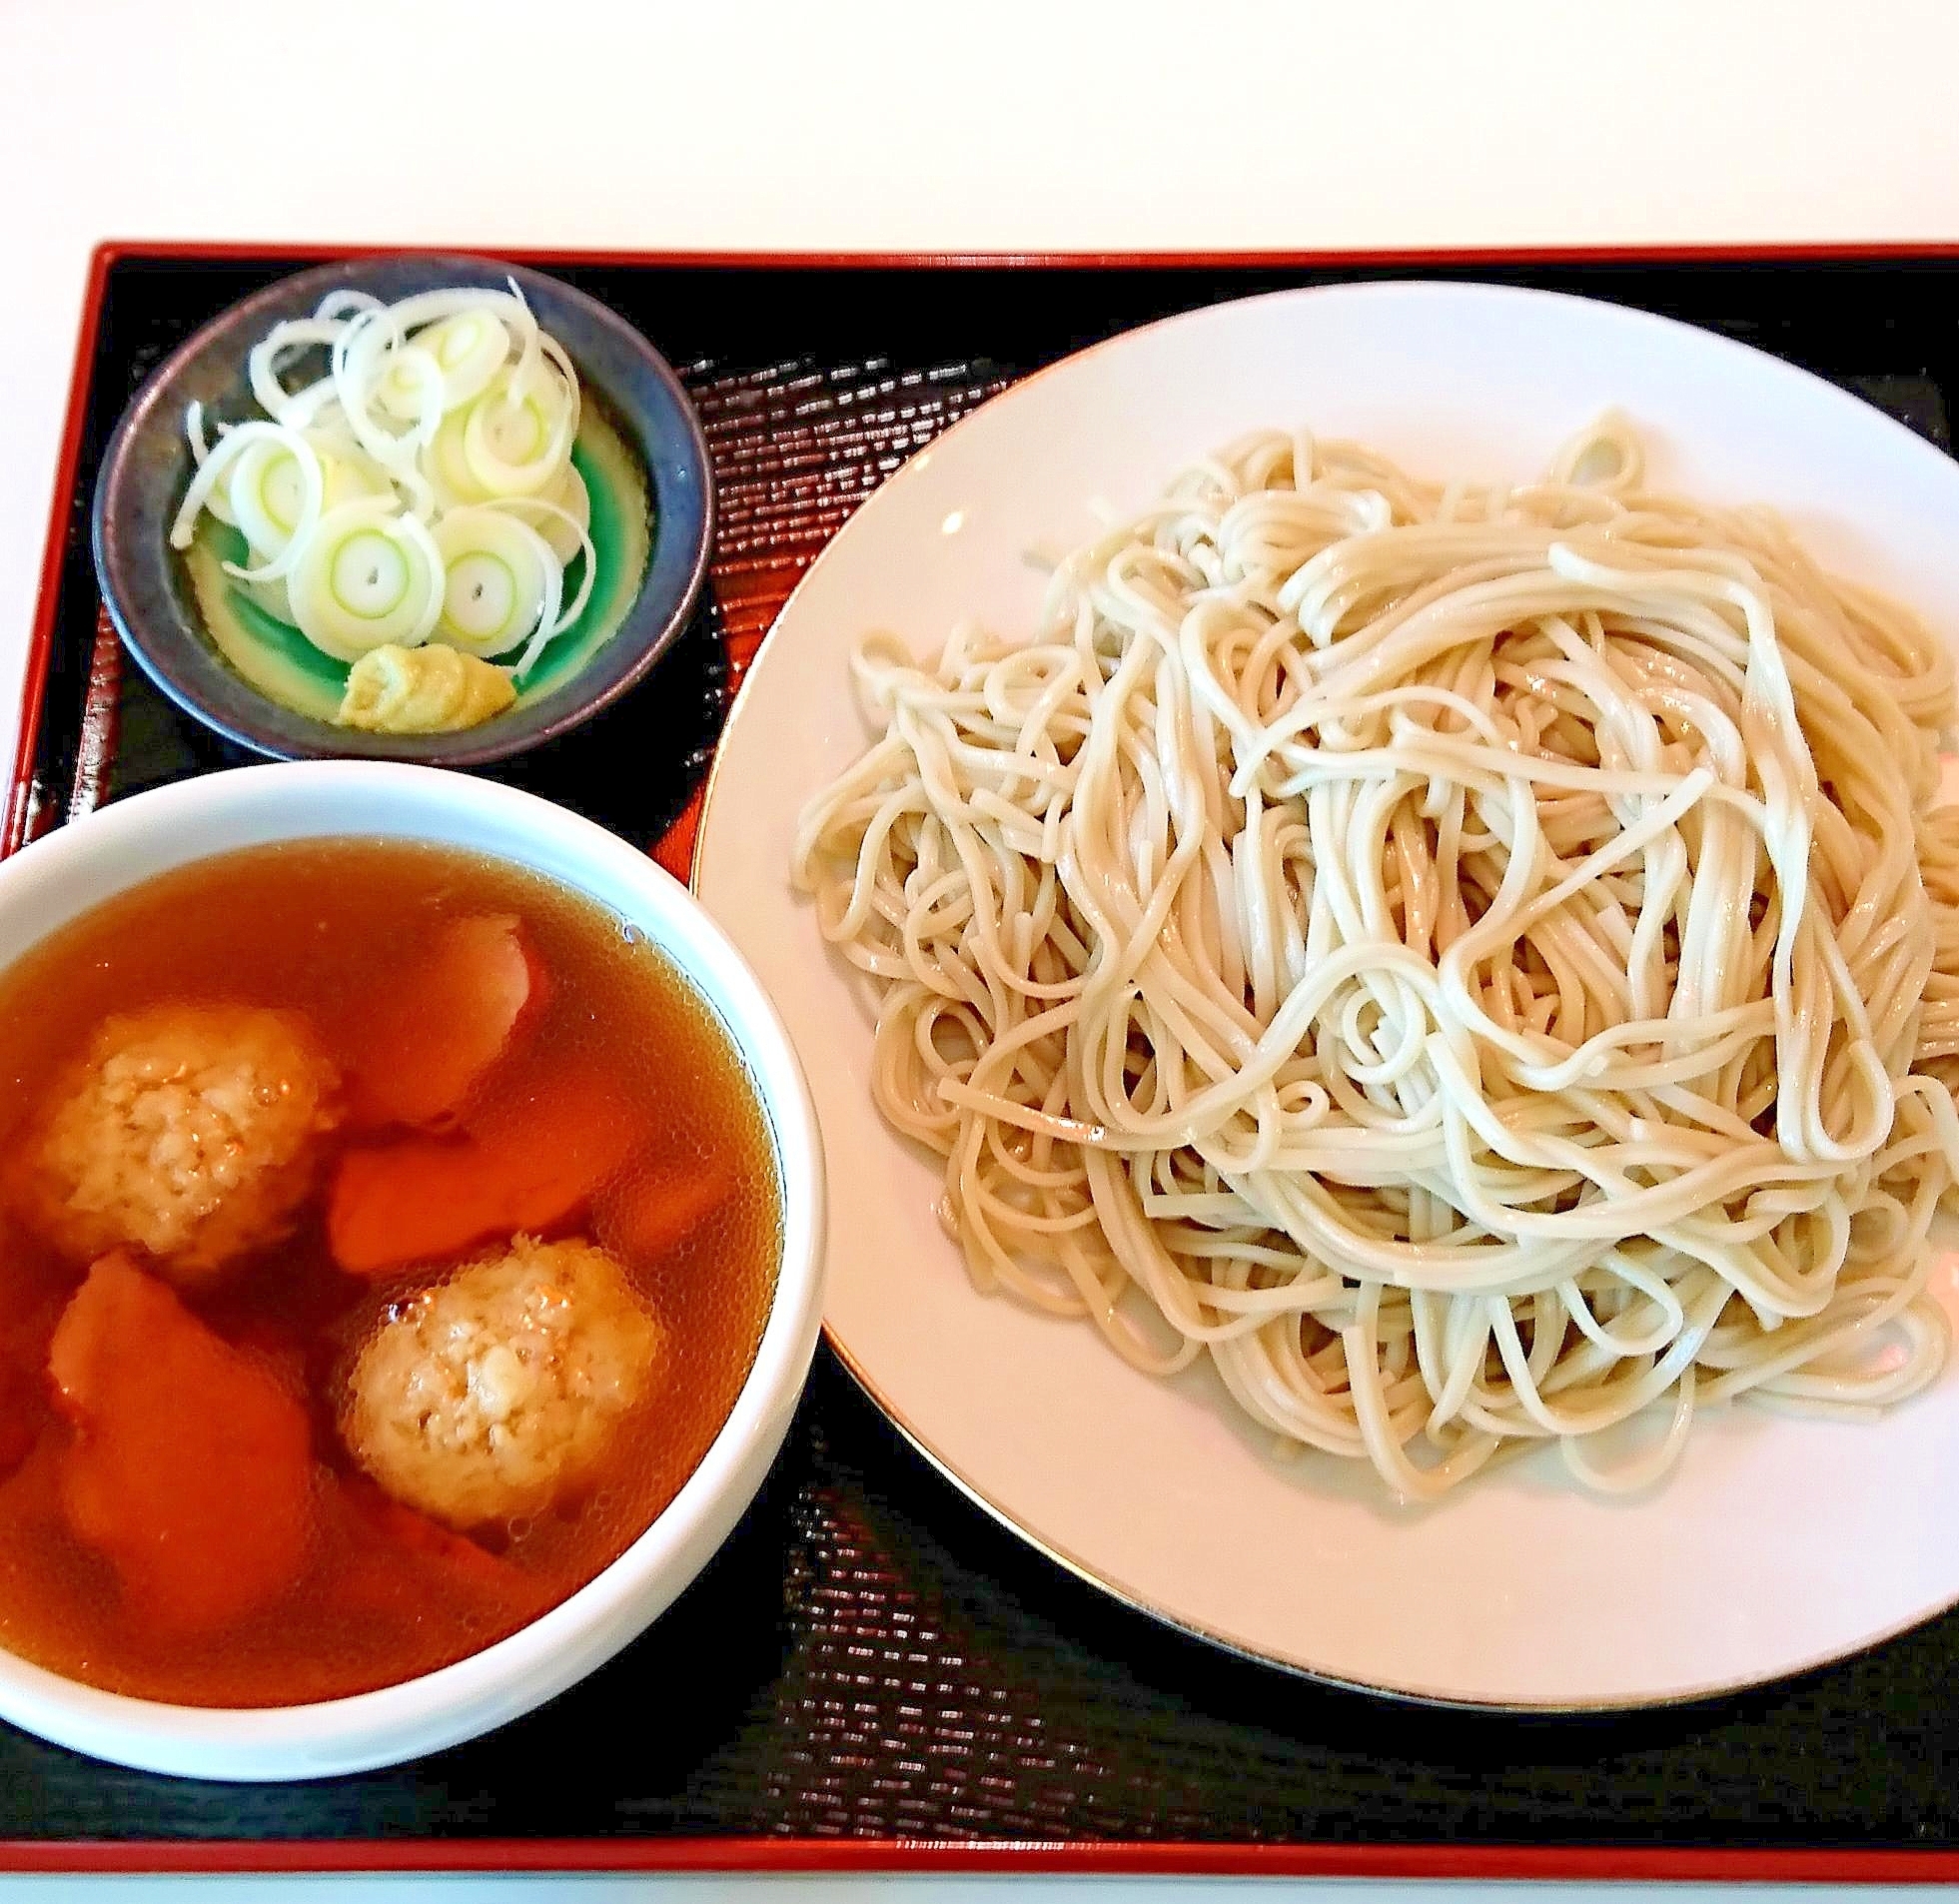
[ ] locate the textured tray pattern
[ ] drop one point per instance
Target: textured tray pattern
(870, 1655)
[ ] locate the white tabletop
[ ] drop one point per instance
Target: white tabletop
(901, 124)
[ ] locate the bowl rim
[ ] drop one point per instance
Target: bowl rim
(510, 1676)
(155, 649)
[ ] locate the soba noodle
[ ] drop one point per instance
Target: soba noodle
(1480, 964)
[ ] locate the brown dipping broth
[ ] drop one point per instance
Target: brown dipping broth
(322, 928)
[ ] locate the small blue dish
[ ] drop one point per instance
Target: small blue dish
(146, 584)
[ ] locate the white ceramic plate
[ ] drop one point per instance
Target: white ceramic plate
(1778, 1544)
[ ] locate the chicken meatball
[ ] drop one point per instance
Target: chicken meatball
(188, 1132)
(499, 1390)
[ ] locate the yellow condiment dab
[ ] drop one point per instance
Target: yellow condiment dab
(424, 690)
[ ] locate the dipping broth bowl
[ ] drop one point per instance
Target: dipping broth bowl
(126, 845)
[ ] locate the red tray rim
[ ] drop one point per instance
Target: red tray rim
(784, 1856)
(1020, 1858)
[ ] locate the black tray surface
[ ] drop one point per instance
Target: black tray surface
(870, 1654)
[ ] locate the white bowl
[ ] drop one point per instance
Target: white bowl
(56, 879)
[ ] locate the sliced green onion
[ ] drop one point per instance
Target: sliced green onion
(524, 377)
(215, 465)
(329, 435)
(567, 371)
(563, 516)
(402, 388)
(262, 367)
(216, 501)
(471, 348)
(268, 493)
(502, 580)
(366, 575)
(306, 405)
(273, 494)
(577, 606)
(517, 446)
(369, 337)
(431, 307)
(343, 304)
(357, 371)
(447, 469)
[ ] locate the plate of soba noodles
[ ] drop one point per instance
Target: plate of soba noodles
(1365, 884)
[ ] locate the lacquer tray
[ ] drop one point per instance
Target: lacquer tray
(873, 1675)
